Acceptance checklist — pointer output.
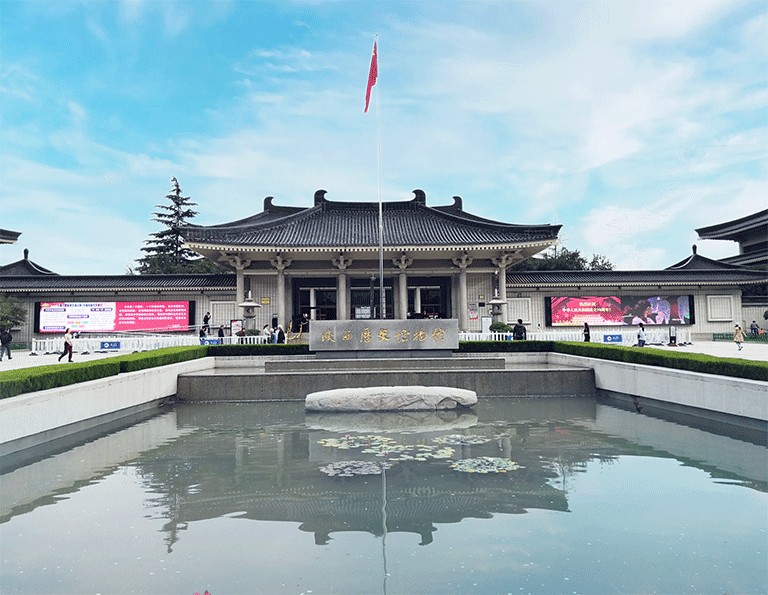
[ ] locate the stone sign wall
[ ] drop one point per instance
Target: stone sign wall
(372, 335)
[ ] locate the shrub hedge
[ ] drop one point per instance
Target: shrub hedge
(16, 382)
(647, 356)
(159, 357)
(27, 380)
(259, 349)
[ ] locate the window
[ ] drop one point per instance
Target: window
(719, 308)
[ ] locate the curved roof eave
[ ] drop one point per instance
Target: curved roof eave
(263, 223)
(335, 249)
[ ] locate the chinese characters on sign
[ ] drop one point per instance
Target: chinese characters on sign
(352, 335)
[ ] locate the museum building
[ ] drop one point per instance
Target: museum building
(324, 261)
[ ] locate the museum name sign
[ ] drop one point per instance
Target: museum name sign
(379, 335)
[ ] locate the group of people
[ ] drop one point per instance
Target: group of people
(206, 328)
(274, 335)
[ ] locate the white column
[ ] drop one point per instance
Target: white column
(463, 263)
(312, 304)
(402, 263)
(503, 261)
(342, 302)
(280, 263)
(240, 291)
(239, 263)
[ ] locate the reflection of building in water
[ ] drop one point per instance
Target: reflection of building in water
(272, 473)
(261, 462)
(272, 477)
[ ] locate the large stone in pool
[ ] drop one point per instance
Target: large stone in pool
(390, 398)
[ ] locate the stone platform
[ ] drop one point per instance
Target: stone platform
(294, 379)
(390, 398)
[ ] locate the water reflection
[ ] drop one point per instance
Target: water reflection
(245, 462)
(214, 465)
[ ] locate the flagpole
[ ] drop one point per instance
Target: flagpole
(382, 297)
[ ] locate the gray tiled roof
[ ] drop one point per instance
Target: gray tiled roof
(8, 237)
(697, 262)
(24, 267)
(733, 230)
(356, 224)
(736, 276)
(96, 283)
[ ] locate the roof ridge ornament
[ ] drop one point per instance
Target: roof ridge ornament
(268, 202)
(320, 197)
(420, 197)
(457, 203)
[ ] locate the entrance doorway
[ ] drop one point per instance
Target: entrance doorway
(429, 297)
(314, 297)
(365, 299)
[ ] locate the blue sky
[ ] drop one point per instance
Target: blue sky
(630, 123)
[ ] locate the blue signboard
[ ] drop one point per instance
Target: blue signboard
(109, 345)
(611, 338)
(210, 341)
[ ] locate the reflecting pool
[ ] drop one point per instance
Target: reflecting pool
(513, 496)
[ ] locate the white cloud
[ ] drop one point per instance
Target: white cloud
(19, 81)
(660, 19)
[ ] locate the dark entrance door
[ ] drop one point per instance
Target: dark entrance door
(315, 297)
(365, 301)
(429, 297)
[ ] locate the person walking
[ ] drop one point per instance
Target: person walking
(68, 344)
(754, 328)
(738, 337)
(5, 343)
(641, 335)
(518, 331)
(586, 333)
(221, 331)
(279, 335)
(207, 322)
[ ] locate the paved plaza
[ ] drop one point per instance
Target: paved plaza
(751, 351)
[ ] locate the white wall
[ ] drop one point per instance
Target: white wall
(48, 410)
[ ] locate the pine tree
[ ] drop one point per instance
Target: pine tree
(165, 250)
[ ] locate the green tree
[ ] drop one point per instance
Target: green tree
(12, 313)
(600, 263)
(165, 251)
(563, 259)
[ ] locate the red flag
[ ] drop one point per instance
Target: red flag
(373, 74)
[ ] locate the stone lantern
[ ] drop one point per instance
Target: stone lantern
(249, 310)
(496, 303)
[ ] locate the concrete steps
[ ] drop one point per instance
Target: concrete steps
(294, 379)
